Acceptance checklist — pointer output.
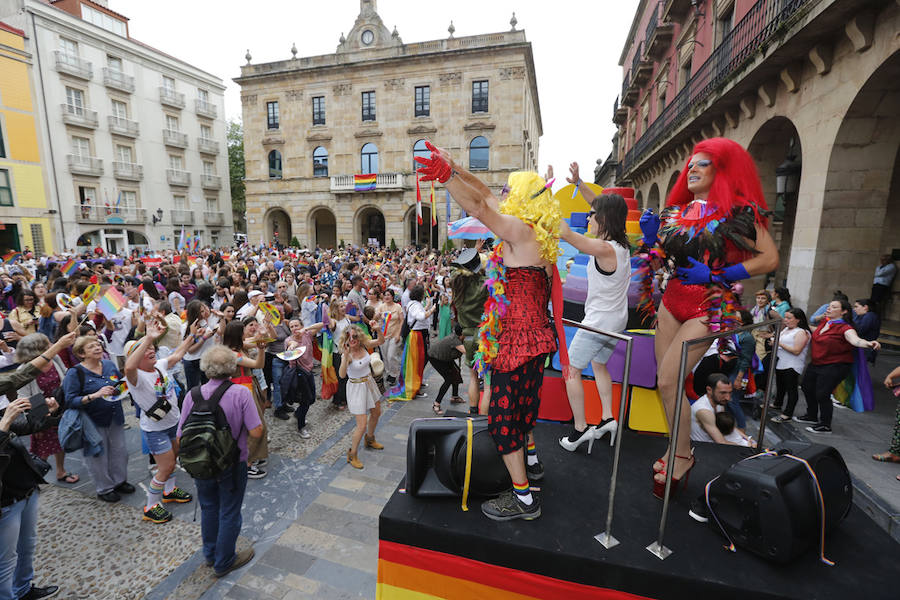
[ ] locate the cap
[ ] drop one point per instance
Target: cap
(254, 294)
(468, 259)
(130, 345)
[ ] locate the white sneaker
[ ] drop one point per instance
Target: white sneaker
(304, 433)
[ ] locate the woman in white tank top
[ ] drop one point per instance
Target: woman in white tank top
(793, 348)
(362, 392)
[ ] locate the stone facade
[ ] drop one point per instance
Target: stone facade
(323, 209)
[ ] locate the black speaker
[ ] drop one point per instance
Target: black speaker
(436, 459)
(769, 504)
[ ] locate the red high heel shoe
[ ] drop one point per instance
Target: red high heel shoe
(659, 488)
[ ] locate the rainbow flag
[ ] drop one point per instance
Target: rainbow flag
(329, 375)
(411, 365)
(11, 257)
(364, 183)
(69, 267)
(111, 303)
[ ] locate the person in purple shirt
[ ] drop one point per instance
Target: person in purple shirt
(220, 499)
(188, 288)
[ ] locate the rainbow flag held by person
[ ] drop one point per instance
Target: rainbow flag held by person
(412, 363)
(329, 375)
(69, 267)
(855, 391)
(11, 257)
(364, 183)
(111, 303)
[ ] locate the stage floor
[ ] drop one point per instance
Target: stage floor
(574, 491)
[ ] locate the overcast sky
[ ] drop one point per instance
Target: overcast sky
(576, 45)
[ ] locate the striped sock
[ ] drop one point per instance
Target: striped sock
(523, 492)
(531, 454)
(154, 493)
(170, 484)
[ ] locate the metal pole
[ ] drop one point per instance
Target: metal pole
(606, 538)
(770, 381)
(657, 548)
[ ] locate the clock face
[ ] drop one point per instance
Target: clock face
(368, 37)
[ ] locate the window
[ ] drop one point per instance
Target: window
(420, 149)
(178, 202)
(318, 110)
(128, 199)
(101, 19)
(87, 196)
(272, 115)
(203, 95)
(119, 109)
(479, 96)
(81, 146)
(368, 107)
(206, 132)
(369, 158)
(74, 101)
(724, 24)
(6, 198)
(320, 162)
(423, 100)
(176, 162)
(37, 238)
(2, 147)
(212, 204)
(214, 239)
(172, 123)
(168, 84)
(68, 47)
(114, 63)
(124, 153)
(479, 154)
(209, 168)
(684, 74)
(274, 164)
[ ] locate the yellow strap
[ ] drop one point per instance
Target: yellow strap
(465, 495)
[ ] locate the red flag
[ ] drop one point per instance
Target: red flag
(418, 201)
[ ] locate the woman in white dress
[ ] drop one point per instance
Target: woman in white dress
(362, 393)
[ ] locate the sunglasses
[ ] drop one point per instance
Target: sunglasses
(700, 163)
(591, 213)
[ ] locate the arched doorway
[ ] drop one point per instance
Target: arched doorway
(423, 236)
(777, 151)
(672, 179)
(369, 227)
(322, 228)
(639, 197)
(278, 227)
(652, 197)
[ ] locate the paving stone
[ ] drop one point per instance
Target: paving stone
(287, 560)
(300, 584)
(342, 577)
(341, 522)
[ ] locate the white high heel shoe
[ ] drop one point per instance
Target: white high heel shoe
(610, 426)
(588, 435)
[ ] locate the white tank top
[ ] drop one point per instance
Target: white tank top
(358, 367)
(698, 434)
(606, 306)
(786, 360)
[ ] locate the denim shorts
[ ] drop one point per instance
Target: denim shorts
(160, 442)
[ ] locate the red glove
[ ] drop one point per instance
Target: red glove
(436, 167)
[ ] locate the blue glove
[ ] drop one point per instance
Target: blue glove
(697, 274)
(649, 226)
(733, 273)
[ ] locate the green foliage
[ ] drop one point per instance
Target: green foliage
(236, 171)
(295, 243)
(341, 245)
(448, 246)
(393, 244)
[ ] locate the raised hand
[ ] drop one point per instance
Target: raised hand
(650, 226)
(549, 174)
(436, 167)
(573, 174)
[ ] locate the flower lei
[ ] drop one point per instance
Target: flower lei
(495, 308)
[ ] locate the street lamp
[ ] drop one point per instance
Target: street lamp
(158, 216)
(787, 175)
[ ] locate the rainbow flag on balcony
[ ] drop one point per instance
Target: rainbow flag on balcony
(364, 183)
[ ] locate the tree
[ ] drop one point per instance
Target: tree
(236, 172)
(295, 243)
(393, 244)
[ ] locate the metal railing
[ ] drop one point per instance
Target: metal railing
(740, 44)
(653, 22)
(96, 213)
(657, 548)
(626, 81)
(637, 58)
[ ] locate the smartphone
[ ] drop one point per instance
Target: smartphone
(39, 408)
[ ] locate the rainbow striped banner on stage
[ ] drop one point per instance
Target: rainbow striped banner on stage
(111, 302)
(69, 267)
(364, 183)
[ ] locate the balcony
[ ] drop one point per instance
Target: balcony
(204, 108)
(207, 145)
(182, 217)
(620, 113)
(123, 126)
(177, 177)
(171, 98)
(118, 80)
(630, 92)
(214, 218)
(674, 9)
(85, 165)
(79, 116)
(641, 66)
(73, 65)
(659, 33)
(128, 170)
(210, 182)
(384, 182)
(174, 138)
(94, 213)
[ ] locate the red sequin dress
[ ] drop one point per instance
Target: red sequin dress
(525, 330)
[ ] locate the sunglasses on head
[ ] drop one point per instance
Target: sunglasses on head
(700, 163)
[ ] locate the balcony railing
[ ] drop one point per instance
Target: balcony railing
(177, 177)
(72, 114)
(123, 126)
(214, 218)
(207, 145)
(760, 23)
(659, 33)
(95, 213)
(204, 108)
(383, 182)
(128, 170)
(175, 138)
(210, 182)
(620, 113)
(73, 65)
(85, 165)
(171, 98)
(636, 58)
(182, 217)
(118, 80)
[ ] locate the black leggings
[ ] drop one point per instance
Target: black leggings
(452, 377)
(786, 381)
(818, 383)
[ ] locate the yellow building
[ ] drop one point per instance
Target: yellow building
(25, 217)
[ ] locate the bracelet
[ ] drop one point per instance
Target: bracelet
(45, 358)
(452, 175)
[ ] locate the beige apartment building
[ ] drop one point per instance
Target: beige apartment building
(313, 124)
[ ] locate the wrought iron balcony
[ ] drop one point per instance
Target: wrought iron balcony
(123, 126)
(95, 213)
(207, 145)
(128, 170)
(620, 113)
(659, 32)
(182, 217)
(85, 165)
(72, 114)
(210, 182)
(177, 177)
(171, 97)
(118, 80)
(214, 218)
(204, 108)
(73, 65)
(175, 138)
(384, 182)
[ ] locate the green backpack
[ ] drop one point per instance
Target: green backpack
(207, 447)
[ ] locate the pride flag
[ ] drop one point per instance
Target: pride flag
(412, 363)
(69, 267)
(364, 183)
(11, 257)
(329, 375)
(111, 303)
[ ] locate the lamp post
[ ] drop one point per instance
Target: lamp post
(787, 184)
(158, 216)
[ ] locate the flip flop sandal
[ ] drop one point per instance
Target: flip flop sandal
(456, 400)
(68, 478)
(886, 457)
(437, 409)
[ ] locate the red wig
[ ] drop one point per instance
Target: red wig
(736, 182)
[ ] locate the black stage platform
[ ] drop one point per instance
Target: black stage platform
(560, 544)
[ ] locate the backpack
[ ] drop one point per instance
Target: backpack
(207, 447)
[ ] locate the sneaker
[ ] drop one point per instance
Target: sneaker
(819, 429)
(240, 559)
(282, 414)
(535, 472)
(780, 419)
(177, 495)
(261, 462)
(304, 433)
(699, 510)
(254, 472)
(806, 419)
(124, 488)
(507, 507)
(157, 514)
(110, 496)
(40, 592)
(839, 404)
(421, 395)
(424, 385)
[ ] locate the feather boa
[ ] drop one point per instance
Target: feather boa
(495, 308)
(645, 307)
